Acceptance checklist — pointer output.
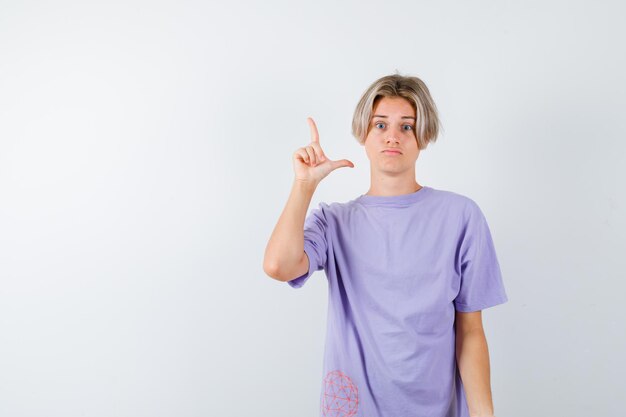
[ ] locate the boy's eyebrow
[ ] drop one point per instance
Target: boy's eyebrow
(403, 117)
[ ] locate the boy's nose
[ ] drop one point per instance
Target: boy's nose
(394, 135)
(392, 138)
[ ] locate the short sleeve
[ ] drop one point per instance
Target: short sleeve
(481, 278)
(315, 244)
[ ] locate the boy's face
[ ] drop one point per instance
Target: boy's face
(392, 126)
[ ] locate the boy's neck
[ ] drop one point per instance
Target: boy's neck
(389, 188)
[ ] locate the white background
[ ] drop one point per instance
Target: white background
(145, 156)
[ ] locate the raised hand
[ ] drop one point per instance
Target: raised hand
(310, 163)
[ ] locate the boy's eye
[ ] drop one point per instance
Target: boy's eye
(381, 125)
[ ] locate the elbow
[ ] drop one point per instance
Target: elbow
(282, 269)
(271, 269)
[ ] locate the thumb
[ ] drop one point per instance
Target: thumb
(342, 163)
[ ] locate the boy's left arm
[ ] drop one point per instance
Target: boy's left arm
(472, 356)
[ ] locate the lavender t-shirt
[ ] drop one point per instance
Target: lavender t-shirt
(398, 267)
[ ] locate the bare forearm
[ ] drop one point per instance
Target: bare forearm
(472, 356)
(285, 247)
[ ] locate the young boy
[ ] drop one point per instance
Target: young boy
(409, 269)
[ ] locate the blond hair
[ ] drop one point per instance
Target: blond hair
(414, 91)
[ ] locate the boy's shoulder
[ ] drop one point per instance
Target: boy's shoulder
(454, 197)
(334, 206)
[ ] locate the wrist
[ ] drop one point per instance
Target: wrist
(308, 185)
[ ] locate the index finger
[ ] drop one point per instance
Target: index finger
(315, 137)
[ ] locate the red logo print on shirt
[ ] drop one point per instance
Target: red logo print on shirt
(341, 396)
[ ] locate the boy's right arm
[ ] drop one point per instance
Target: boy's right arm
(285, 258)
